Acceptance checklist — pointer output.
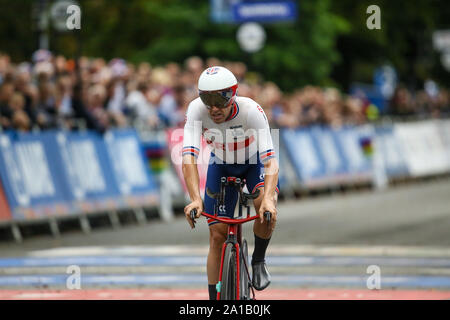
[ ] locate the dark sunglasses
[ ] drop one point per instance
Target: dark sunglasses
(219, 99)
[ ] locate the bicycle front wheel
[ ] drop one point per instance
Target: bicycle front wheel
(244, 278)
(229, 274)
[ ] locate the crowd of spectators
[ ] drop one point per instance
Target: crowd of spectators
(50, 92)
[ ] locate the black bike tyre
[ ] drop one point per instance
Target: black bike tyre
(244, 280)
(229, 274)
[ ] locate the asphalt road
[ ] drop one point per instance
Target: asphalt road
(408, 215)
(319, 243)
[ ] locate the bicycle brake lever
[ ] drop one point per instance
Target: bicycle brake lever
(268, 216)
(193, 213)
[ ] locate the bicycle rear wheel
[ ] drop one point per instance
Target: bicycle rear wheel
(229, 274)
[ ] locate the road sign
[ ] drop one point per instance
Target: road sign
(264, 12)
(251, 36)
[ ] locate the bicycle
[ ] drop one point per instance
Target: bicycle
(234, 280)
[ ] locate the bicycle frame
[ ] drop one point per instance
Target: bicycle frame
(234, 233)
(234, 236)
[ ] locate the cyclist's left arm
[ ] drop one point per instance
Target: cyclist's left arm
(257, 120)
(270, 182)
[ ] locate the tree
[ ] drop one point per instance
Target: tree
(404, 40)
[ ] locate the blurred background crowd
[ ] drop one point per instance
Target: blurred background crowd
(51, 92)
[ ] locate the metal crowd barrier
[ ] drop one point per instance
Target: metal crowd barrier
(53, 175)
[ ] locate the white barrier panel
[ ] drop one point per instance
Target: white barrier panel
(444, 129)
(388, 147)
(423, 148)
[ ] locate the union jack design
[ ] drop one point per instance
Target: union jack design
(212, 70)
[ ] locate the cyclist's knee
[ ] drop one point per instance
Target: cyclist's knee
(217, 236)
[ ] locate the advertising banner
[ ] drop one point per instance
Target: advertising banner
(331, 153)
(30, 178)
(358, 165)
(59, 172)
(5, 213)
(391, 152)
(322, 156)
(175, 144)
(82, 165)
(304, 154)
(135, 182)
(239, 11)
(423, 147)
(264, 11)
(444, 130)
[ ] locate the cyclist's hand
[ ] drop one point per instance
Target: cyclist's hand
(268, 205)
(193, 205)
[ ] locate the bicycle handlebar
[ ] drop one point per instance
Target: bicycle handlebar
(193, 214)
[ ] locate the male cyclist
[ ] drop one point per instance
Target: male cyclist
(238, 132)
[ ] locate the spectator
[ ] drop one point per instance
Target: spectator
(270, 99)
(402, 103)
(96, 98)
(6, 93)
(332, 108)
(19, 118)
(46, 111)
(54, 92)
(353, 111)
(115, 102)
(171, 107)
(287, 114)
(140, 107)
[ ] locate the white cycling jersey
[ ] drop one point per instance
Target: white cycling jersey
(245, 132)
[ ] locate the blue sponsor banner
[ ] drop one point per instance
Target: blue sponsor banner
(264, 11)
(330, 152)
(60, 172)
(323, 156)
(135, 183)
(303, 154)
(82, 164)
(358, 166)
(30, 178)
(389, 147)
(282, 163)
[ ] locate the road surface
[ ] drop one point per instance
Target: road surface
(323, 247)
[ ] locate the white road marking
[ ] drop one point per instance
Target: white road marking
(309, 250)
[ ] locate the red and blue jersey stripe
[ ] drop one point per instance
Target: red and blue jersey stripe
(261, 184)
(266, 155)
(191, 150)
(234, 113)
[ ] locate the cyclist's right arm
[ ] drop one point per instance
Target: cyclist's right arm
(191, 150)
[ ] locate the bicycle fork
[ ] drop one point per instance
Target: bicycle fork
(234, 232)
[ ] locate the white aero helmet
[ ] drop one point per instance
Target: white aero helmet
(217, 86)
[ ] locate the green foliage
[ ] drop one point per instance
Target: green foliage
(16, 35)
(294, 55)
(328, 44)
(404, 41)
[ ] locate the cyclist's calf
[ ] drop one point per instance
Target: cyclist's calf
(217, 237)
